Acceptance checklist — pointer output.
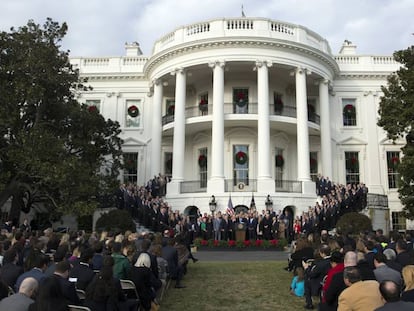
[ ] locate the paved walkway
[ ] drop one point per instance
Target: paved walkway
(241, 255)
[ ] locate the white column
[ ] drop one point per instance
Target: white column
(216, 182)
(156, 132)
(264, 181)
(302, 126)
(326, 148)
(371, 158)
(179, 133)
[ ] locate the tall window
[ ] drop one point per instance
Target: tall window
(352, 167)
(133, 113)
(279, 164)
(168, 163)
(311, 109)
(349, 112)
(393, 159)
(398, 221)
(130, 167)
(241, 100)
(202, 164)
(240, 164)
(277, 103)
(203, 104)
(313, 164)
(93, 104)
(170, 107)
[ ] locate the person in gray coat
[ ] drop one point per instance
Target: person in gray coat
(383, 272)
(23, 299)
(390, 293)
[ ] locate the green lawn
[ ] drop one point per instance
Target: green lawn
(254, 285)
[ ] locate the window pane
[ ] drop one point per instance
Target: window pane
(133, 113)
(241, 100)
(352, 167)
(130, 167)
(349, 112)
(393, 159)
(240, 164)
(202, 164)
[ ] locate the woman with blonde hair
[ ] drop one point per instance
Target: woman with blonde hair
(408, 276)
(145, 281)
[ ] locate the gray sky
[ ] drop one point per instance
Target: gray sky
(101, 27)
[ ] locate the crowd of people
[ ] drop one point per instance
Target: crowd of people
(45, 270)
(338, 272)
(147, 205)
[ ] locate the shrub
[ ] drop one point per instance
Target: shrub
(116, 220)
(354, 223)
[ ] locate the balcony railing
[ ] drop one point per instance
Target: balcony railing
(249, 108)
(193, 186)
(240, 185)
(291, 186)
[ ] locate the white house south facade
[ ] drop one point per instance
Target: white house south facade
(247, 107)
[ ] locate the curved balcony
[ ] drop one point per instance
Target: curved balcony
(239, 28)
(249, 108)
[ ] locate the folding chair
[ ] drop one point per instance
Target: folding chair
(78, 308)
(129, 289)
(81, 294)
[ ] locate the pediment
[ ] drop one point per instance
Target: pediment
(131, 141)
(352, 141)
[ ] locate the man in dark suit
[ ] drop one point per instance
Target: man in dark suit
(315, 273)
(175, 271)
(68, 288)
(390, 292)
(10, 271)
(40, 262)
(82, 271)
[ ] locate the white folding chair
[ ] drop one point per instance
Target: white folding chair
(78, 308)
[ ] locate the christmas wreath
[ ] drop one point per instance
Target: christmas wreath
(203, 105)
(394, 161)
(171, 110)
(241, 99)
(241, 157)
(202, 160)
(93, 109)
(354, 163)
(133, 111)
(279, 160)
(349, 111)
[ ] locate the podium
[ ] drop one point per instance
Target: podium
(240, 231)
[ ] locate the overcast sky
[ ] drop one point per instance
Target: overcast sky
(101, 27)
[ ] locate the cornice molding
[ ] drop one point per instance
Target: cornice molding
(113, 77)
(180, 50)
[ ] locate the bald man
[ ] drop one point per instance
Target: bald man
(23, 299)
